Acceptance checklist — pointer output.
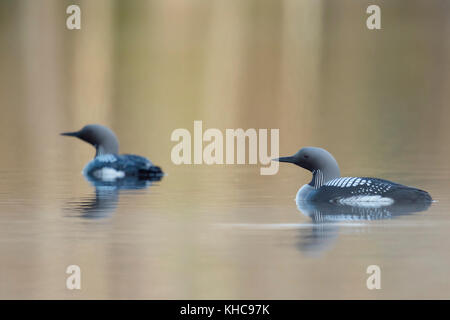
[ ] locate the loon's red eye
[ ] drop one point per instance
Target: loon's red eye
(306, 156)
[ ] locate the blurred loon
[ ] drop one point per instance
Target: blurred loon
(108, 165)
(327, 185)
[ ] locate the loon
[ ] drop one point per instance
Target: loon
(327, 185)
(108, 165)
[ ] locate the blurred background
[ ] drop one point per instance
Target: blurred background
(376, 99)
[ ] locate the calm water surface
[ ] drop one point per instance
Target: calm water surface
(212, 232)
(377, 100)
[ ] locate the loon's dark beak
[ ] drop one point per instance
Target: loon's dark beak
(285, 159)
(71, 134)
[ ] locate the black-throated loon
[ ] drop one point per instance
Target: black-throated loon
(108, 164)
(328, 185)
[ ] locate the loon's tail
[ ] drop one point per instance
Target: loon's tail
(152, 173)
(411, 195)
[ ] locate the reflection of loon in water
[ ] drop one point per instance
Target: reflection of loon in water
(103, 202)
(332, 198)
(334, 212)
(326, 217)
(110, 172)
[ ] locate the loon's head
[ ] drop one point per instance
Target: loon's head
(316, 160)
(101, 137)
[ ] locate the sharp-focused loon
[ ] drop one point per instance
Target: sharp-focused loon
(108, 165)
(327, 184)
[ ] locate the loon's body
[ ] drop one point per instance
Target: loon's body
(108, 165)
(328, 186)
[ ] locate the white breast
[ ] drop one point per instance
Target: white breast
(304, 192)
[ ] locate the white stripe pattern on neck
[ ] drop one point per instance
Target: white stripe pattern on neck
(318, 178)
(106, 157)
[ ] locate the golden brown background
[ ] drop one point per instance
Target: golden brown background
(378, 100)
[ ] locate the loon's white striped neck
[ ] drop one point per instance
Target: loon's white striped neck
(101, 150)
(320, 178)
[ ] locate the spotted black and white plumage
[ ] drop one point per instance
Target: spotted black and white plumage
(112, 167)
(354, 190)
(327, 185)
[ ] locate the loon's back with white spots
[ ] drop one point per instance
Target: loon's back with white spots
(354, 190)
(111, 167)
(328, 186)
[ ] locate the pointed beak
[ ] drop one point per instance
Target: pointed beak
(70, 134)
(285, 159)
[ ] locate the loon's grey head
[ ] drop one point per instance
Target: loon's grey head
(317, 160)
(101, 137)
